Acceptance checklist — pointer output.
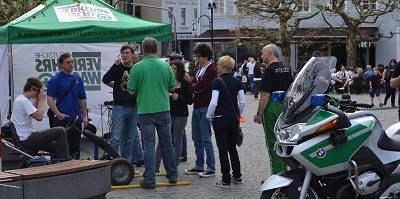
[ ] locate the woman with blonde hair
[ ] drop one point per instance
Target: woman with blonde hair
(224, 113)
(250, 65)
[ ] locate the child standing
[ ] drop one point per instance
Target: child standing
(374, 86)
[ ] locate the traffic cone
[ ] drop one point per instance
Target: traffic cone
(242, 119)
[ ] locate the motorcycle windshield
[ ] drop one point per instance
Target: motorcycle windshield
(314, 78)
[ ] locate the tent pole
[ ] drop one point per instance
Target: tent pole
(10, 80)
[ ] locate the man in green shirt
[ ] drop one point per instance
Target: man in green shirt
(151, 80)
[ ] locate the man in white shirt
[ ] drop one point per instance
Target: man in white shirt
(52, 140)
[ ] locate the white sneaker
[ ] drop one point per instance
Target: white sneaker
(341, 88)
(206, 174)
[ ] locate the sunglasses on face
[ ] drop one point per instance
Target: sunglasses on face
(35, 88)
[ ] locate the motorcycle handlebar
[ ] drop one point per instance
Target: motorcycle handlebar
(364, 105)
(354, 103)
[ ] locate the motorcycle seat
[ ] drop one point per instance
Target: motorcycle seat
(359, 114)
(389, 143)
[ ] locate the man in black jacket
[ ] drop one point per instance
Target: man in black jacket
(124, 133)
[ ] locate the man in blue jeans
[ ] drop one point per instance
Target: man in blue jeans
(124, 117)
(201, 86)
(151, 80)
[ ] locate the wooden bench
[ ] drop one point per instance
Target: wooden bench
(61, 168)
(4, 177)
(70, 179)
(10, 185)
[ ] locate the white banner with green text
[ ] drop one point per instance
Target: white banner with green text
(92, 61)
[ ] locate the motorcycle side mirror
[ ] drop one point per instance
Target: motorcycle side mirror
(278, 96)
(318, 100)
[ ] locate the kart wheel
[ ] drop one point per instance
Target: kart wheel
(23, 163)
(282, 193)
(122, 172)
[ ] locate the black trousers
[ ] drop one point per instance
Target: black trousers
(74, 137)
(225, 129)
(390, 93)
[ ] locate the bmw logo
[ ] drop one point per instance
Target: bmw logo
(321, 153)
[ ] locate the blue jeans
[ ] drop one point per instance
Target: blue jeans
(124, 129)
(201, 135)
(178, 127)
(251, 79)
(137, 148)
(148, 124)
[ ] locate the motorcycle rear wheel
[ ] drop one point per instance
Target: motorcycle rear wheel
(282, 193)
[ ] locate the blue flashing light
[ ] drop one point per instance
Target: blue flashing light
(278, 96)
(318, 99)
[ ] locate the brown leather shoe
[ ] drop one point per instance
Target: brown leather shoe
(143, 185)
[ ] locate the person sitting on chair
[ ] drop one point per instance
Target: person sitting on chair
(53, 140)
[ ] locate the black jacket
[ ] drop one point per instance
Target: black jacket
(120, 96)
(179, 108)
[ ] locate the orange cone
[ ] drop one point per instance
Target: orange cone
(242, 119)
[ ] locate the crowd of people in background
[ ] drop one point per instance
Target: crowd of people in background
(371, 80)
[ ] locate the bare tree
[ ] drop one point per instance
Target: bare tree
(12, 9)
(362, 12)
(286, 15)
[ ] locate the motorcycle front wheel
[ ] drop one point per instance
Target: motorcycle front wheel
(282, 193)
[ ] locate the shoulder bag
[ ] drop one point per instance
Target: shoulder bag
(239, 136)
(50, 113)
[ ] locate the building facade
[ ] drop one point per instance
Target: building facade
(181, 14)
(226, 22)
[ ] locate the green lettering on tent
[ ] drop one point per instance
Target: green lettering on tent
(80, 23)
(91, 77)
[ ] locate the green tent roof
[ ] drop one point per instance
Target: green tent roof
(65, 21)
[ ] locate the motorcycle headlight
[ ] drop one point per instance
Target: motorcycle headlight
(290, 134)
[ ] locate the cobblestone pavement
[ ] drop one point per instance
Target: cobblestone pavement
(253, 156)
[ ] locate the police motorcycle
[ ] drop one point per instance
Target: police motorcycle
(331, 153)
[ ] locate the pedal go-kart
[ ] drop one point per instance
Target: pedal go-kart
(122, 171)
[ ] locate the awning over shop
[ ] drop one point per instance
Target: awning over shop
(328, 33)
(321, 33)
(219, 35)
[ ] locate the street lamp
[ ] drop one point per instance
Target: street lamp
(211, 7)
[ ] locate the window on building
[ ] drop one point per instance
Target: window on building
(194, 13)
(368, 4)
(183, 16)
(303, 6)
(170, 19)
(220, 7)
(138, 11)
(333, 5)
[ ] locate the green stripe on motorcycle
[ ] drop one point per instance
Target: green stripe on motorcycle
(368, 123)
(334, 155)
(319, 116)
